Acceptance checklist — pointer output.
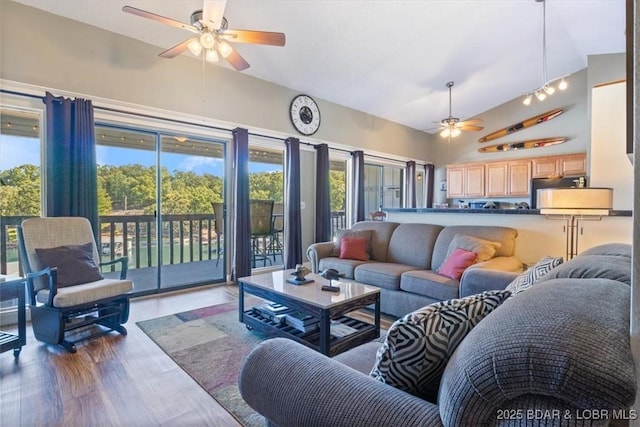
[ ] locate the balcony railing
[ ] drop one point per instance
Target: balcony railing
(185, 238)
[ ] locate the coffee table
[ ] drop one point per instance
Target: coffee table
(311, 299)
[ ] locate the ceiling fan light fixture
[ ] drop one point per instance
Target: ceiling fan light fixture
(455, 132)
(211, 55)
(446, 132)
(195, 47)
(207, 40)
(224, 48)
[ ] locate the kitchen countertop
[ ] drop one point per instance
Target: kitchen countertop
(485, 211)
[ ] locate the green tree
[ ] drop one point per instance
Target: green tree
(266, 185)
(337, 188)
(20, 191)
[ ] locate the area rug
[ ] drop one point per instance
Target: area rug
(210, 344)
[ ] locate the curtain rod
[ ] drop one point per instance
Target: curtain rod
(183, 122)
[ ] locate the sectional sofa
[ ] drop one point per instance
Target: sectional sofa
(405, 259)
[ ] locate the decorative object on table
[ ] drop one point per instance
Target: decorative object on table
(452, 126)
(527, 123)
(212, 35)
(522, 145)
(331, 274)
(298, 275)
(304, 114)
(547, 86)
(574, 205)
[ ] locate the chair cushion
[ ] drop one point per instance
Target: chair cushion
(86, 293)
(74, 262)
(354, 248)
(532, 274)
(457, 262)
(614, 267)
(486, 249)
(418, 346)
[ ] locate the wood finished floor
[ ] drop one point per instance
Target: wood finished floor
(114, 380)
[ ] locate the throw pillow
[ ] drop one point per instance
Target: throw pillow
(354, 248)
(486, 249)
(532, 274)
(367, 234)
(75, 263)
(419, 345)
(457, 263)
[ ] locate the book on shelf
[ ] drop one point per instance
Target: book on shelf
(264, 312)
(302, 321)
(276, 308)
(340, 330)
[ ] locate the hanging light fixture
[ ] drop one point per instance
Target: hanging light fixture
(547, 88)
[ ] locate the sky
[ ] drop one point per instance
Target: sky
(16, 151)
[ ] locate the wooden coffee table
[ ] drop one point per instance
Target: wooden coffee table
(311, 299)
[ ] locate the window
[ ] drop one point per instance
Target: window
(338, 194)
(383, 187)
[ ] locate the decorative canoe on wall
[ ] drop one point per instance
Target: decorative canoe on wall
(532, 121)
(523, 145)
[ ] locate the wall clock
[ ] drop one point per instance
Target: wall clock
(304, 114)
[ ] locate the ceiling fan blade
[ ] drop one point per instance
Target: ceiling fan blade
(470, 127)
(176, 50)
(237, 61)
(471, 121)
(213, 12)
(255, 37)
(159, 18)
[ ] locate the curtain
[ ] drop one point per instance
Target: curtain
(71, 171)
(242, 255)
(358, 185)
(292, 216)
(323, 194)
(411, 184)
(428, 177)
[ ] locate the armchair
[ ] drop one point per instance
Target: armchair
(65, 288)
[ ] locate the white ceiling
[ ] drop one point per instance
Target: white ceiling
(391, 58)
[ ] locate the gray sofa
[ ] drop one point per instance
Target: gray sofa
(557, 354)
(405, 258)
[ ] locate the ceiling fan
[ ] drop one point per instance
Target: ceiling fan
(452, 126)
(212, 34)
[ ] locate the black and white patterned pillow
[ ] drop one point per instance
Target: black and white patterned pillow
(532, 274)
(419, 345)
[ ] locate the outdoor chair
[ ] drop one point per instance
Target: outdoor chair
(65, 287)
(378, 216)
(218, 212)
(275, 247)
(261, 219)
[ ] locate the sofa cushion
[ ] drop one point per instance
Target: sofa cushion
(354, 248)
(412, 244)
(381, 234)
(418, 346)
(614, 267)
(485, 249)
(337, 245)
(343, 266)
(506, 236)
(382, 274)
(618, 249)
(533, 274)
(75, 263)
(430, 284)
(456, 263)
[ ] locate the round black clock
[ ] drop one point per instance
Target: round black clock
(304, 114)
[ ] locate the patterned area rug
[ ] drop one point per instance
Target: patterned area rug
(210, 344)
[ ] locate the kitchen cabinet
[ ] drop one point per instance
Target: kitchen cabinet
(508, 179)
(465, 181)
(565, 165)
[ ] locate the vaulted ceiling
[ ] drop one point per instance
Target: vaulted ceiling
(392, 58)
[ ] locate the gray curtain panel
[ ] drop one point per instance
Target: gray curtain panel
(70, 146)
(242, 256)
(428, 177)
(358, 185)
(292, 221)
(323, 194)
(411, 184)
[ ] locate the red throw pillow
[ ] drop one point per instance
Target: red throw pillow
(354, 248)
(458, 261)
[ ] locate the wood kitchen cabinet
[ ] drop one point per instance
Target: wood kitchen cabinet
(565, 165)
(508, 179)
(465, 181)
